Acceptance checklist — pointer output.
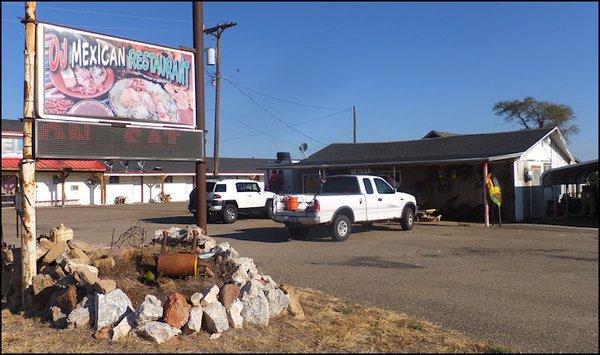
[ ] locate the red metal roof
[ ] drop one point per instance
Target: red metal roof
(56, 165)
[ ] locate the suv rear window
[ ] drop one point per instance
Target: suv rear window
(340, 185)
(221, 188)
(210, 186)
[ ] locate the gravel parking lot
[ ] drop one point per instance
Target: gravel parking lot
(532, 289)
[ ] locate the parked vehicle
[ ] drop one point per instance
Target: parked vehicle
(342, 201)
(227, 198)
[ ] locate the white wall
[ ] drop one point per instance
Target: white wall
(76, 188)
(180, 188)
(125, 187)
(526, 193)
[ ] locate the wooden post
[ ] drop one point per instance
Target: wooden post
(162, 187)
(486, 207)
(63, 179)
(103, 189)
(27, 166)
(142, 187)
(200, 178)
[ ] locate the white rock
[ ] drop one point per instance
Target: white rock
(215, 336)
(195, 321)
(124, 327)
(196, 298)
(256, 309)
(70, 265)
(278, 301)
(158, 331)
(214, 318)
(78, 318)
(224, 246)
(233, 253)
(234, 314)
(252, 288)
(240, 276)
(271, 285)
(209, 295)
(111, 308)
(150, 310)
(247, 266)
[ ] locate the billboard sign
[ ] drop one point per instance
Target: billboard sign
(101, 97)
(84, 76)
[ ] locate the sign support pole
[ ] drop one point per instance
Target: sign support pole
(27, 166)
(198, 25)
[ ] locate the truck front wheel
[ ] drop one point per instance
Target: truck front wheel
(341, 228)
(408, 219)
(299, 232)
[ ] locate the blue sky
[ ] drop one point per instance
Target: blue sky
(408, 67)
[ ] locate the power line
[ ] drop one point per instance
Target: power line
(286, 101)
(270, 113)
(114, 14)
(294, 125)
(253, 128)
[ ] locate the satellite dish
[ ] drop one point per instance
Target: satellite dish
(109, 164)
(125, 164)
(303, 147)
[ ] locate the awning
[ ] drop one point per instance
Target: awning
(570, 174)
(12, 164)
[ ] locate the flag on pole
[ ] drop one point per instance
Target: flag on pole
(494, 190)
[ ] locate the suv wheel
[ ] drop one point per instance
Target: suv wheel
(408, 219)
(269, 209)
(299, 232)
(230, 213)
(341, 228)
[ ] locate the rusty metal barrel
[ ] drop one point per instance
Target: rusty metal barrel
(177, 264)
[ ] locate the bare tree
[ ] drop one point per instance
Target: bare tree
(530, 113)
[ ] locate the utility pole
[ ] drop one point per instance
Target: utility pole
(27, 166)
(217, 31)
(354, 121)
(200, 123)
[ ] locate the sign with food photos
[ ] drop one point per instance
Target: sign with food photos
(88, 77)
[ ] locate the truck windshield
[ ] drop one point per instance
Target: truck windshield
(340, 185)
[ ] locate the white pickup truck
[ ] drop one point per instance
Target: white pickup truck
(342, 201)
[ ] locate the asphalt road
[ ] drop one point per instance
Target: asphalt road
(533, 289)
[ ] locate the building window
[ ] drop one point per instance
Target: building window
(74, 187)
(113, 179)
(169, 179)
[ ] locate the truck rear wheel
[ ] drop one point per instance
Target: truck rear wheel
(341, 228)
(299, 232)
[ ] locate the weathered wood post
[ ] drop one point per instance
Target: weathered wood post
(486, 207)
(27, 166)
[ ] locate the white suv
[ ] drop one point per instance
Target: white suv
(229, 197)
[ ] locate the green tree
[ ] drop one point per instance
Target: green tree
(530, 113)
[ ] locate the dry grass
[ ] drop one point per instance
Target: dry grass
(331, 325)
